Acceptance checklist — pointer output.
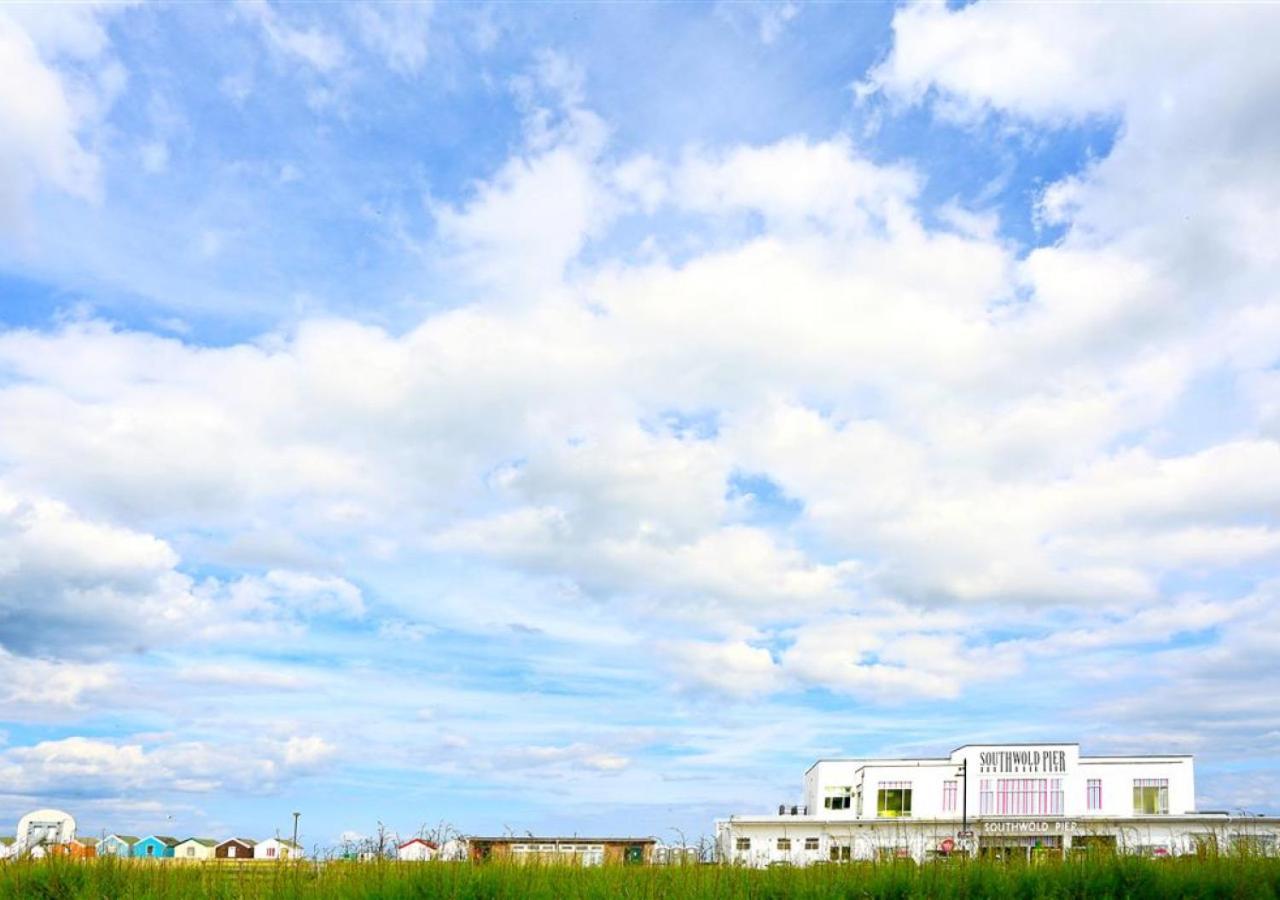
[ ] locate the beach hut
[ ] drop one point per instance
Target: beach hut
(416, 850)
(117, 845)
(155, 846)
(195, 848)
(234, 848)
(277, 848)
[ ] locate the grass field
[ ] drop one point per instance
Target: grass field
(1118, 877)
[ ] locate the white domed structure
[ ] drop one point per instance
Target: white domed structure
(45, 827)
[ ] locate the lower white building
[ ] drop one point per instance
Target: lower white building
(417, 850)
(992, 800)
(195, 848)
(454, 850)
(277, 848)
(42, 829)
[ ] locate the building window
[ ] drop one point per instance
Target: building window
(151, 850)
(986, 799)
(839, 853)
(271, 852)
(1254, 844)
(743, 844)
(784, 843)
(1094, 790)
(1151, 796)
(838, 798)
(811, 843)
(893, 799)
(1024, 797)
(191, 851)
(949, 796)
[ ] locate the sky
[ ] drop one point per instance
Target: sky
(579, 418)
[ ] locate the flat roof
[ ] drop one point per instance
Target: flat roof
(947, 759)
(896, 822)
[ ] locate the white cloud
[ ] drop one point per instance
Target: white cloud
(307, 752)
(40, 684)
(954, 424)
(74, 587)
(397, 32)
(735, 668)
(311, 45)
(774, 18)
(41, 113)
(244, 674)
(875, 659)
(568, 757)
(795, 182)
(90, 767)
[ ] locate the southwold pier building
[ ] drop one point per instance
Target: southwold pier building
(1015, 800)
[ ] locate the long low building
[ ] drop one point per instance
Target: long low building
(585, 851)
(1015, 800)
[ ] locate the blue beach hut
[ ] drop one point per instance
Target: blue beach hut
(155, 846)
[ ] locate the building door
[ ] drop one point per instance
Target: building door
(633, 855)
(1093, 844)
(1021, 849)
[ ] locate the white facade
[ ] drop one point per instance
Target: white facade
(195, 849)
(453, 850)
(44, 827)
(416, 850)
(988, 799)
(276, 848)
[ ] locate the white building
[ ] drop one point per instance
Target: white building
(44, 828)
(277, 848)
(993, 800)
(195, 848)
(453, 850)
(416, 850)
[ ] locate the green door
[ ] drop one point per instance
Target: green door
(634, 854)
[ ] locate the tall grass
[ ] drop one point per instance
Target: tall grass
(1113, 877)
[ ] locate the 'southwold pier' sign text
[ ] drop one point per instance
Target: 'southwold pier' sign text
(1022, 761)
(1054, 826)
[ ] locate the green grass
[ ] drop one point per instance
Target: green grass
(1115, 877)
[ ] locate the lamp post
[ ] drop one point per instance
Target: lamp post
(964, 798)
(293, 851)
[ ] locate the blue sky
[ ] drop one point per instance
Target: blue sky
(580, 417)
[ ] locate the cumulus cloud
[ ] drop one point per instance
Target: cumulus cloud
(75, 587)
(979, 458)
(48, 112)
(941, 446)
(29, 685)
(735, 669)
(86, 768)
(525, 224)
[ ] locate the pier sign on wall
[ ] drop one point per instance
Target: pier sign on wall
(1023, 826)
(1042, 761)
